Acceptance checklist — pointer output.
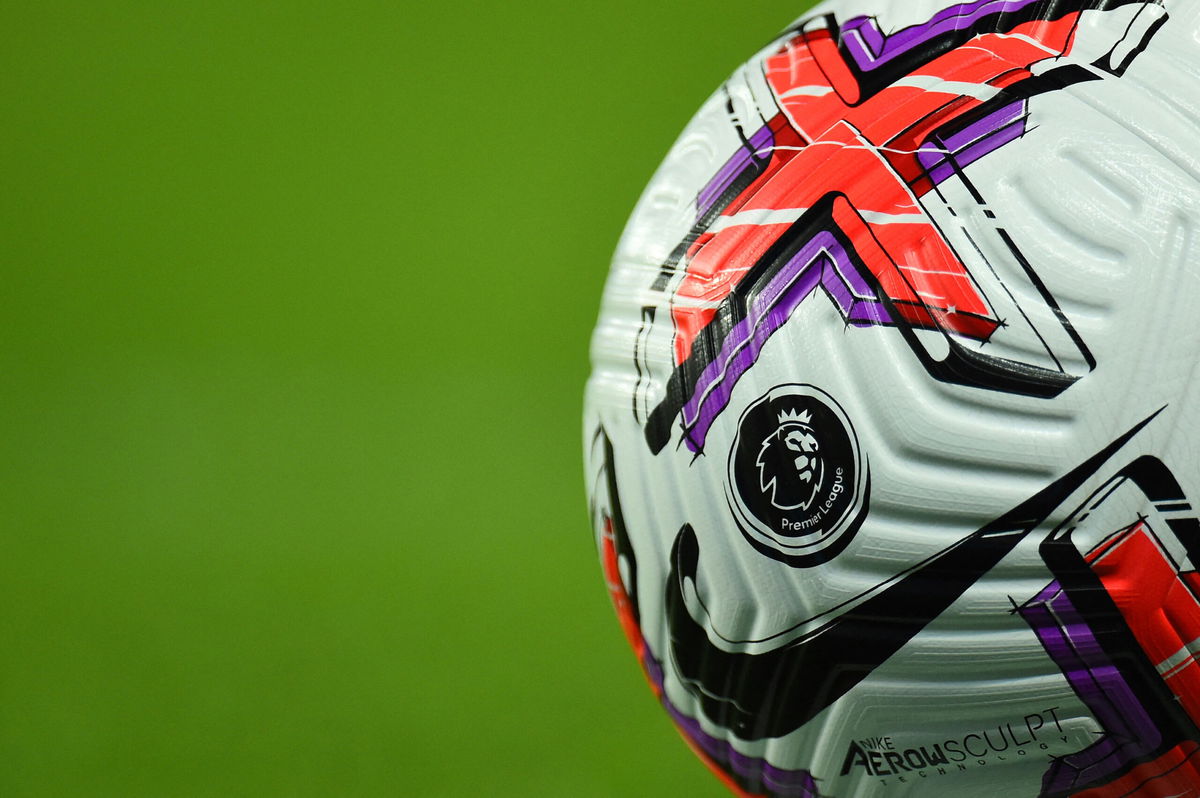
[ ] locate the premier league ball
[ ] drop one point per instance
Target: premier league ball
(891, 438)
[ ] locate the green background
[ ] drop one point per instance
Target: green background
(293, 334)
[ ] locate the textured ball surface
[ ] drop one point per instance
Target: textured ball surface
(891, 433)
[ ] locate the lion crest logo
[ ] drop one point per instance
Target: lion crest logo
(798, 483)
(790, 468)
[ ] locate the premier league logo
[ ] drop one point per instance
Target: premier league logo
(798, 484)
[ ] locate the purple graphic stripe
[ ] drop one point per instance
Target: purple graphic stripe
(1012, 113)
(1129, 731)
(782, 783)
(870, 47)
(972, 143)
(821, 262)
(760, 142)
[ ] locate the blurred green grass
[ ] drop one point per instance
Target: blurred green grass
(293, 338)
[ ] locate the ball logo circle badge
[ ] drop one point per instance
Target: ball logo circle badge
(798, 484)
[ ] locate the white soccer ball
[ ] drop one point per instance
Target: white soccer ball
(891, 436)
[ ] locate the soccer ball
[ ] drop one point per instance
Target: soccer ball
(891, 432)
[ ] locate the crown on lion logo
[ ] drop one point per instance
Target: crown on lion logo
(804, 418)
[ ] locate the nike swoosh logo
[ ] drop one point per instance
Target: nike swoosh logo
(774, 693)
